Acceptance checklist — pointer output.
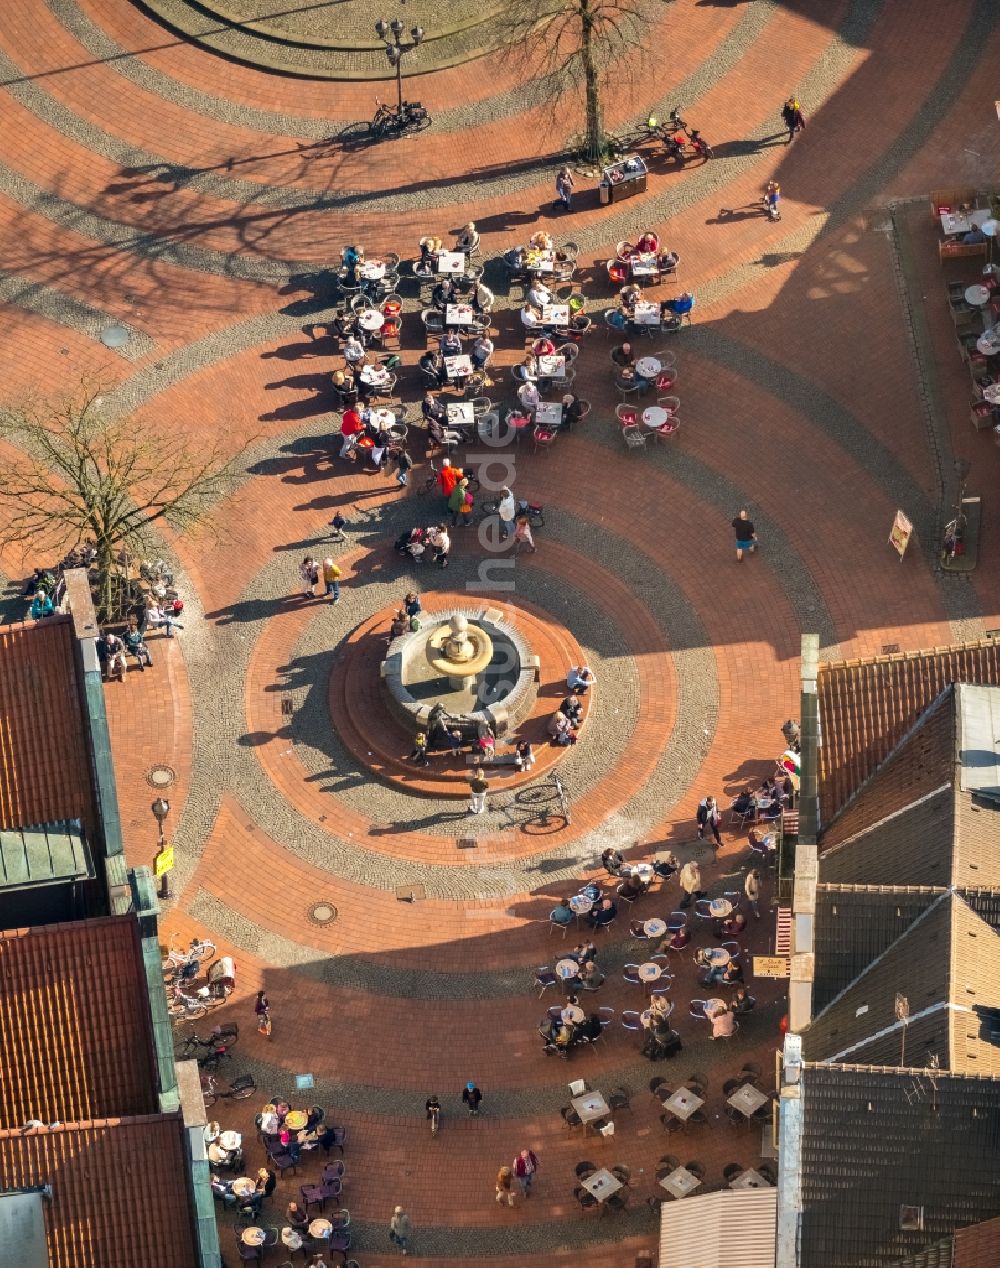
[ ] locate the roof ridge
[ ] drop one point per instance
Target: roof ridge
(842, 887)
(88, 1124)
(879, 823)
(893, 1027)
(859, 1067)
(971, 644)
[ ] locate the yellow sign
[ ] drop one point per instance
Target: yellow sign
(164, 861)
(770, 966)
(900, 534)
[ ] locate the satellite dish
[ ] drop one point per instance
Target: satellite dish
(990, 228)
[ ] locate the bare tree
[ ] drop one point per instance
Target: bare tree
(79, 478)
(574, 43)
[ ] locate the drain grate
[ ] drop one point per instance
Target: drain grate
(322, 913)
(160, 776)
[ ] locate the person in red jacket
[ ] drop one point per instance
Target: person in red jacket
(525, 1166)
(351, 428)
(448, 477)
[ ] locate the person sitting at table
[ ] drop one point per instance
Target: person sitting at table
(974, 235)
(630, 296)
(443, 294)
(677, 941)
(529, 397)
(723, 1022)
(467, 239)
(295, 1217)
(223, 1189)
(591, 977)
(450, 344)
(433, 409)
(667, 262)
(351, 258)
(665, 866)
(426, 261)
(742, 1001)
(732, 974)
(432, 368)
(483, 299)
(734, 926)
(623, 355)
(543, 347)
(573, 410)
(531, 317)
(583, 952)
(648, 243)
(266, 1181)
(713, 972)
(590, 1028)
(611, 860)
(354, 351)
(562, 913)
(572, 706)
(539, 294)
(481, 352)
(540, 241)
(743, 802)
(632, 887)
(580, 679)
(441, 435)
(674, 309)
(603, 913)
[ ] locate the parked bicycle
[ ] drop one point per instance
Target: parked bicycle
(176, 961)
(240, 1089)
(394, 120)
(533, 510)
(210, 1049)
(181, 1005)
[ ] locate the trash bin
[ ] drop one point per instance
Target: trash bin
(604, 193)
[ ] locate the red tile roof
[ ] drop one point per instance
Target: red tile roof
(74, 1020)
(977, 1245)
(119, 1191)
(866, 707)
(44, 766)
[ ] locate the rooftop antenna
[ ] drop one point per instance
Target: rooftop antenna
(903, 1015)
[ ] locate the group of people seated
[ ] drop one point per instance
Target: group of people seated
(730, 974)
(659, 1042)
(113, 649)
(462, 291)
(766, 802)
(560, 1036)
(565, 723)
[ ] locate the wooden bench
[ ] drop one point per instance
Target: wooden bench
(960, 250)
(498, 759)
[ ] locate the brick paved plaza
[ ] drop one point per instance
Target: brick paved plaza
(146, 180)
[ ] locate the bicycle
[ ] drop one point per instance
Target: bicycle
(216, 1046)
(195, 954)
(397, 119)
(431, 480)
(240, 1089)
(191, 1006)
(533, 510)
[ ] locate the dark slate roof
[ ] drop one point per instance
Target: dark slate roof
(855, 925)
(875, 1140)
(913, 846)
(867, 706)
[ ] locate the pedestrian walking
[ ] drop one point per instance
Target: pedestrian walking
(746, 534)
(419, 753)
(460, 504)
(262, 1010)
(440, 539)
(525, 1166)
(479, 786)
(505, 1187)
(709, 818)
(690, 883)
(404, 463)
(399, 1230)
(522, 535)
(564, 189)
(794, 119)
(331, 580)
(309, 573)
(751, 888)
(507, 510)
(472, 1098)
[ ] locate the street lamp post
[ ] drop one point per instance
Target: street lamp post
(395, 49)
(160, 809)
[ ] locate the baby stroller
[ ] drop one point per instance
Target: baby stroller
(412, 543)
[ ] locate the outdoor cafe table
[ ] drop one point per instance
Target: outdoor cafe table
(656, 416)
(717, 957)
(244, 1187)
(648, 367)
(680, 1182)
(602, 1184)
(374, 376)
(567, 968)
(291, 1238)
(573, 1013)
(555, 314)
(683, 1103)
(654, 928)
(461, 412)
(977, 295)
(649, 1015)
(230, 1140)
(320, 1228)
(551, 367)
(540, 261)
(644, 264)
(382, 418)
(591, 1106)
(371, 319)
(750, 1180)
(646, 314)
(451, 262)
(992, 394)
(253, 1237)
(952, 224)
(988, 344)
(295, 1120)
(650, 971)
(643, 870)
(458, 315)
(457, 367)
(373, 270)
(549, 413)
(720, 907)
(747, 1100)
(580, 904)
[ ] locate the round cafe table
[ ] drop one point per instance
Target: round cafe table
(291, 1238)
(650, 972)
(654, 928)
(992, 394)
(320, 1228)
(374, 376)
(989, 343)
(648, 367)
(253, 1237)
(573, 1013)
(371, 319)
(383, 418)
(580, 904)
(655, 416)
(295, 1120)
(373, 271)
(230, 1140)
(977, 295)
(649, 1015)
(720, 907)
(718, 957)
(243, 1187)
(567, 968)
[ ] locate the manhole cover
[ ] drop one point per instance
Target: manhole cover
(161, 776)
(322, 913)
(114, 336)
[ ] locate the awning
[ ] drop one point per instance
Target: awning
(734, 1228)
(47, 854)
